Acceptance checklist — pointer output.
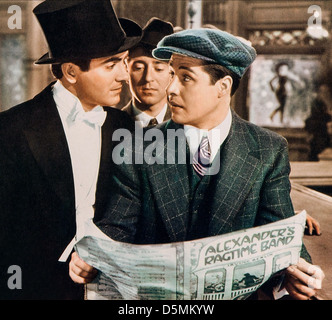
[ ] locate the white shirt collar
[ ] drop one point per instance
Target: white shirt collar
(144, 118)
(65, 100)
(69, 104)
(216, 136)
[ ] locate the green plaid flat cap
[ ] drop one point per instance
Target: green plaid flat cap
(211, 45)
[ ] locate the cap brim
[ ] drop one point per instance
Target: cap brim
(165, 53)
(134, 35)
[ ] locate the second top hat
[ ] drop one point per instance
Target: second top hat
(84, 29)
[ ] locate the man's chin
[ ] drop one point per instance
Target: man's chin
(177, 119)
(111, 102)
(148, 102)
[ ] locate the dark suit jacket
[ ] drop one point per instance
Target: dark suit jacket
(37, 201)
(152, 202)
(129, 109)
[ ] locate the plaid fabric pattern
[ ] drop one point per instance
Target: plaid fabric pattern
(210, 45)
(150, 203)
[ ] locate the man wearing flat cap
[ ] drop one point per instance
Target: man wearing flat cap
(56, 149)
(149, 77)
(235, 175)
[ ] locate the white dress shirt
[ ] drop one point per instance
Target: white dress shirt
(216, 136)
(144, 118)
(84, 142)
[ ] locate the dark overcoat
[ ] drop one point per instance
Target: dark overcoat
(37, 200)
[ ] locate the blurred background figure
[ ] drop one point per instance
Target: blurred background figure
(316, 126)
(281, 85)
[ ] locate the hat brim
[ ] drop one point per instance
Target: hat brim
(134, 35)
(165, 53)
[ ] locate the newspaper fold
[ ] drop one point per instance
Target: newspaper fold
(226, 267)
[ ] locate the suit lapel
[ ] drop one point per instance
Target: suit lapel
(115, 120)
(48, 144)
(173, 200)
(239, 167)
(106, 163)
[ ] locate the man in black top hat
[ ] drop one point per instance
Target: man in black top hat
(149, 77)
(55, 150)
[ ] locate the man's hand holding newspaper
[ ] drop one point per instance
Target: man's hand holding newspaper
(303, 280)
(230, 266)
(80, 271)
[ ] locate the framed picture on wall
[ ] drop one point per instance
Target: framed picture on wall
(282, 88)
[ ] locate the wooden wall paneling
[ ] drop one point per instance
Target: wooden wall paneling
(279, 14)
(142, 10)
(215, 13)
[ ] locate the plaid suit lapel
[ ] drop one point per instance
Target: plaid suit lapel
(170, 184)
(239, 167)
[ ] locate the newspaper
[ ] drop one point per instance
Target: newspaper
(226, 267)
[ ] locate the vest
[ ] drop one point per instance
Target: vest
(201, 195)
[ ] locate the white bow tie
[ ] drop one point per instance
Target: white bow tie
(96, 116)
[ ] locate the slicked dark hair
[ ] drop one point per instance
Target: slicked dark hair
(216, 72)
(84, 65)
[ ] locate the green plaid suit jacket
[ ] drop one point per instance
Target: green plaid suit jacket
(150, 202)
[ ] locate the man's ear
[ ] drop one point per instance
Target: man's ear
(224, 85)
(70, 72)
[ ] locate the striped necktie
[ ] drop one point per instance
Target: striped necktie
(201, 160)
(152, 122)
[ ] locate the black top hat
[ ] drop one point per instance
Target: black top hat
(154, 30)
(84, 29)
